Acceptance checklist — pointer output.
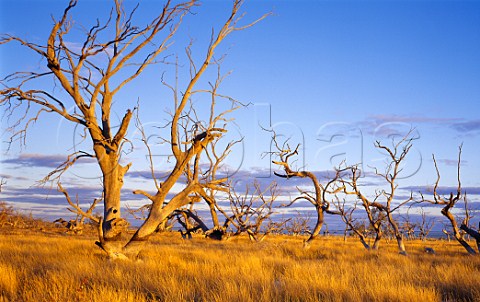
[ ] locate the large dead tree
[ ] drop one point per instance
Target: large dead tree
(381, 207)
(111, 56)
(200, 170)
(91, 77)
(448, 203)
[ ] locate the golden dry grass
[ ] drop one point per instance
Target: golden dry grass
(37, 267)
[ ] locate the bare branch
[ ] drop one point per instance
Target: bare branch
(76, 208)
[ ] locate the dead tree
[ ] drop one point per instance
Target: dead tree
(298, 225)
(187, 149)
(447, 233)
(408, 227)
(111, 56)
(465, 226)
(91, 77)
(375, 217)
(448, 203)
(213, 184)
(190, 222)
(76, 225)
(318, 198)
(71, 225)
(250, 212)
(383, 199)
(190, 138)
(425, 226)
(352, 224)
(2, 183)
(6, 214)
(185, 221)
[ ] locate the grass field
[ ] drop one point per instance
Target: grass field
(53, 267)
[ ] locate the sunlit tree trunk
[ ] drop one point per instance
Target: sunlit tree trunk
(318, 227)
(397, 234)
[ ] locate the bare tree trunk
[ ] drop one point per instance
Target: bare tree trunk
(113, 174)
(465, 244)
(358, 233)
(376, 243)
(401, 246)
(364, 243)
(473, 233)
(398, 235)
(317, 229)
(446, 212)
(113, 223)
(213, 213)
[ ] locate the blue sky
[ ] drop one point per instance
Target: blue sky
(332, 75)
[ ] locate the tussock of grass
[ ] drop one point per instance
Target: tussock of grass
(63, 268)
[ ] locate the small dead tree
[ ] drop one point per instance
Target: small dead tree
(298, 225)
(375, 217)
(352, 224)
(76, 225)
(448, 203)
(447, 233)
(189, 221)
(408, 227)
(3, 182)
(383, 199)
(425, 226)
(250, 212)
(6, 214)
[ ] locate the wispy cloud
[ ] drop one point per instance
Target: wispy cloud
(467, 127)
(47, 195)
(381, 124)
(446, 190)
(382, 118)
(451, 162)
(38, 160)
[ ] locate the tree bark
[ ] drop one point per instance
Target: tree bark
(456, 231)
(376, 243)
(475, 235)
(213, 214)
(364, 243)
(112, 186)
(398, 235)
(112, 225)
(318, 227)
(465, 244)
